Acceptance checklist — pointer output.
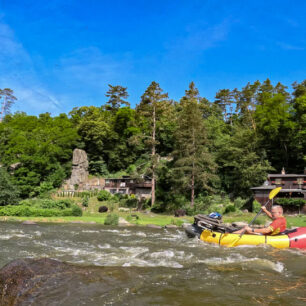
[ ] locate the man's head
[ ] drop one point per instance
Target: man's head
(276, 211)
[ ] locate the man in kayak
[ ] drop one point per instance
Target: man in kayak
(277, 226)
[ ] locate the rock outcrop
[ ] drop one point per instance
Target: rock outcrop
(79, 173)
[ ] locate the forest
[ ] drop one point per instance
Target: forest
(192, 148)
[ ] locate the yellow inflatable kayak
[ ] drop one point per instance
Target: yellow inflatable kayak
(213, 233)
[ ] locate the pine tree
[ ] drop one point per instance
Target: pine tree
(7, 99)
(117, 95)
(151, 106)
(193, 164)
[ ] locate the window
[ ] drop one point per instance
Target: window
(122, 184)
(300, 181)
(122, 191)
(106, 181)
(278, 181)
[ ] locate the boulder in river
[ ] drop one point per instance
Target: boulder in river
(51, 282)
(29, 222)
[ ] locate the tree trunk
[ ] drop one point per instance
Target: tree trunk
(2, 109)
(192, 174)
(153, 157)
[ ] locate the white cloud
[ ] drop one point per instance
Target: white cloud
(18, 73)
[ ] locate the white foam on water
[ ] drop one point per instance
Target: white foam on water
(245, 262)
(9, 236)
(104, 246)
(134, 251)
(90, 231)
(141, 234)
(162, 254)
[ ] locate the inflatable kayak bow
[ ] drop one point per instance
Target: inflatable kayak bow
(213, 231)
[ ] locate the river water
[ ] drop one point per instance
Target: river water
(156, 267)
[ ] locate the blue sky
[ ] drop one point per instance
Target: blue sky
(57, 55)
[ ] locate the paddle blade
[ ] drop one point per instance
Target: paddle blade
(274, 192)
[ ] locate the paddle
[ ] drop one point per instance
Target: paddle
(272, 194)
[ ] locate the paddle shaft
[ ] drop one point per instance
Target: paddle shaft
(255, 218)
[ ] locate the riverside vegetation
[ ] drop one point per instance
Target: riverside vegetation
(201, 155)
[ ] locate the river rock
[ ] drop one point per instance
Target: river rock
(154, 226)
(123, 222)
(51, 282)
(185, 225)
(29, 222)
(171, 226)
(123, 209)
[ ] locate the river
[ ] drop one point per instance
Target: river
(157, 267)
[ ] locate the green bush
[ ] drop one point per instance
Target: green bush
(256, 206)
(130, 202)
(111, 219)
(76, 211)
(26, 211)
(239, 203)
(290, 202)
(48, 203)
(103, 195)
(229, 208)
(85, 202)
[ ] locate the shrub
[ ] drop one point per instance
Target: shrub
(256, 206)
(229, 208)
(290, 202)
(130, 202)
(111, 219)
(85, 202)
(239, 203)
(103, 209)
(26, 211)
(103, 195)
(48, 203)
(76, 211)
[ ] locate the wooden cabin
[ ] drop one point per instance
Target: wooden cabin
(293, 186)
(127, 185)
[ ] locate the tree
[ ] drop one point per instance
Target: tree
(193, 164)
(116, 95)
(9, 193)
(242, 162)
(274, 123)
(224, 98)
(151, 106)
(298, 143)
(8, 99)
(42, 146)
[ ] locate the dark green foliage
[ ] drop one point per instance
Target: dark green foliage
(290, 202)
(85, 201)
(41, 146)
(111, 219)
(9, 193)
(103, 195)
(192, 149)
(229, 208)
(130, 202)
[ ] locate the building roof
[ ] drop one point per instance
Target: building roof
(286, 175)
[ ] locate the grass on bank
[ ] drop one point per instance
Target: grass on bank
(91, 215)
